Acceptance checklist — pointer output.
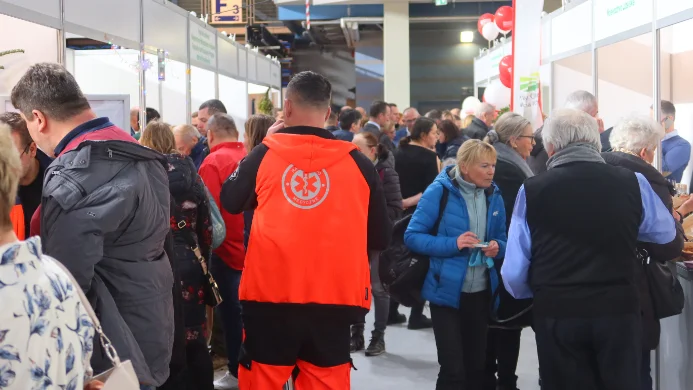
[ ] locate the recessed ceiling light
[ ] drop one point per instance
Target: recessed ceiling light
(467, 36)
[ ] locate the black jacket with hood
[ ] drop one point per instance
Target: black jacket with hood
(390, 179)
(660, 253)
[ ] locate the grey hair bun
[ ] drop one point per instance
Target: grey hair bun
(492, 137)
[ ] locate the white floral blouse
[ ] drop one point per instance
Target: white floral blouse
(46, 336)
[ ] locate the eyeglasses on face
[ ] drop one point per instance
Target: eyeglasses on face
(534, 141)
(26, 148)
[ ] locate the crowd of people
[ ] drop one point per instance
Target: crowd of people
(186, 239)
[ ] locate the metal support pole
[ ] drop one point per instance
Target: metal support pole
(656, 101)
(188, 85)
(161, 98)
(140, 67)
(62, 43)
(595, 58)
(216, 69)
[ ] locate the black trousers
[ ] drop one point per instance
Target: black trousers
(601, 353)
(502, 353)
(461, 341)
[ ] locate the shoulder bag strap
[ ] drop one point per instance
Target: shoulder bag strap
(443, 203)
(105, 342)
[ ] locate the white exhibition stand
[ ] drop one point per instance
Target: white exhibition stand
(200, 62)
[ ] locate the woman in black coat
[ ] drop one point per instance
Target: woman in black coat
(633, 142)
(380, 156)
(513, 140)
(189, 203)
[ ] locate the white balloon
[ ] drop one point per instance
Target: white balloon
(497, 94)
(469, 105)
(490, 31)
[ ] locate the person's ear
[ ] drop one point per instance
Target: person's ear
(42, 124)
(327, 116)
(32, 150)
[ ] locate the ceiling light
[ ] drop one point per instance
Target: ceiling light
(467, 36)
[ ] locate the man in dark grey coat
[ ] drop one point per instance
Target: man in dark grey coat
(484, 117)
(379, 116)
(105, 216)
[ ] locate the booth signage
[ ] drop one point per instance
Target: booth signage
(202, 45)
(526, 99)
(616, 16)
(226, 11)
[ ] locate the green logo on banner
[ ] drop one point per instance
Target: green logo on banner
(529, 84)
(620, 8)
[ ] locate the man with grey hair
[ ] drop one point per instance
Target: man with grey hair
(578, 100)
(583, 282)
(191, 143)
(484, 116)
(105, 216)
(634, 141)
(227, 261)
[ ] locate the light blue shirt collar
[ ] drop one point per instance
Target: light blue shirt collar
(670, 135)
(375, 124)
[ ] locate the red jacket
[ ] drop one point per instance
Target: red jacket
(217, 167)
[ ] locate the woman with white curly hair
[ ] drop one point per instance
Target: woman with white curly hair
(634, 141)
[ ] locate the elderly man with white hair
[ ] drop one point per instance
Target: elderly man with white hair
(578, 100)
(484, 116)
(634, 142)
(570, 246)
(191, 143)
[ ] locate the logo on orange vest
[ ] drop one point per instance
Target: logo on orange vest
(305, 190)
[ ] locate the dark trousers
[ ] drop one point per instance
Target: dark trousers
(461, 341)
(200, 370)
(589, 353)
(229, 280)
(645, 372)
(502, 353)
(416, 310)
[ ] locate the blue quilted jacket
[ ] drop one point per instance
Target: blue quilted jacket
(443, 284)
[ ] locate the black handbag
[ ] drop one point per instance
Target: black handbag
(666, 291)
(402, 272)
(211, 289)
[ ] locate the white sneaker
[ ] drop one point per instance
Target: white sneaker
(228, 382)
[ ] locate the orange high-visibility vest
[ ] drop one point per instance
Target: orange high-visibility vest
(17, 218)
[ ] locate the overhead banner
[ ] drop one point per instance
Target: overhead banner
(526, 99)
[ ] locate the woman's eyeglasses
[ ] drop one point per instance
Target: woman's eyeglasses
(534, 141)
(27, 148)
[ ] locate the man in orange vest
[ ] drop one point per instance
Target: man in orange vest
(304, 282)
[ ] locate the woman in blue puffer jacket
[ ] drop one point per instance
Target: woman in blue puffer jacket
(462, 276)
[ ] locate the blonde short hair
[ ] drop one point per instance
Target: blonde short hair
(10, 169)
(159, 136)
(473, 151)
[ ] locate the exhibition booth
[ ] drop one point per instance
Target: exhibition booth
(147, 53)
(632, 55)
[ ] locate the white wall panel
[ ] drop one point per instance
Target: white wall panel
(572, 29)
(165, 29)
(104, 18)
(228, 57)
(46, 12)
(242, 62)
(276, 70)
(252, 67)
(263, 70)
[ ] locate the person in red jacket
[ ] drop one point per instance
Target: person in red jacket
(227, 260)
(304, 283)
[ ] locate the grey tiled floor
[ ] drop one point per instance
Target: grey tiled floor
(411, 362)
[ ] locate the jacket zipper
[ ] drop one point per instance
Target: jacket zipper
(72, 181)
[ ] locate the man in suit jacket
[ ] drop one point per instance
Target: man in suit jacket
(379, 115)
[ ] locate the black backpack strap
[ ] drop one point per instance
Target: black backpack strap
(443, 203)
(187, 233)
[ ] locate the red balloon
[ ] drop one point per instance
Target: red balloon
(505, 70)
(483, 19)
(504, 18)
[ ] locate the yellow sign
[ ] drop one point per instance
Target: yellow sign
(226, 11)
